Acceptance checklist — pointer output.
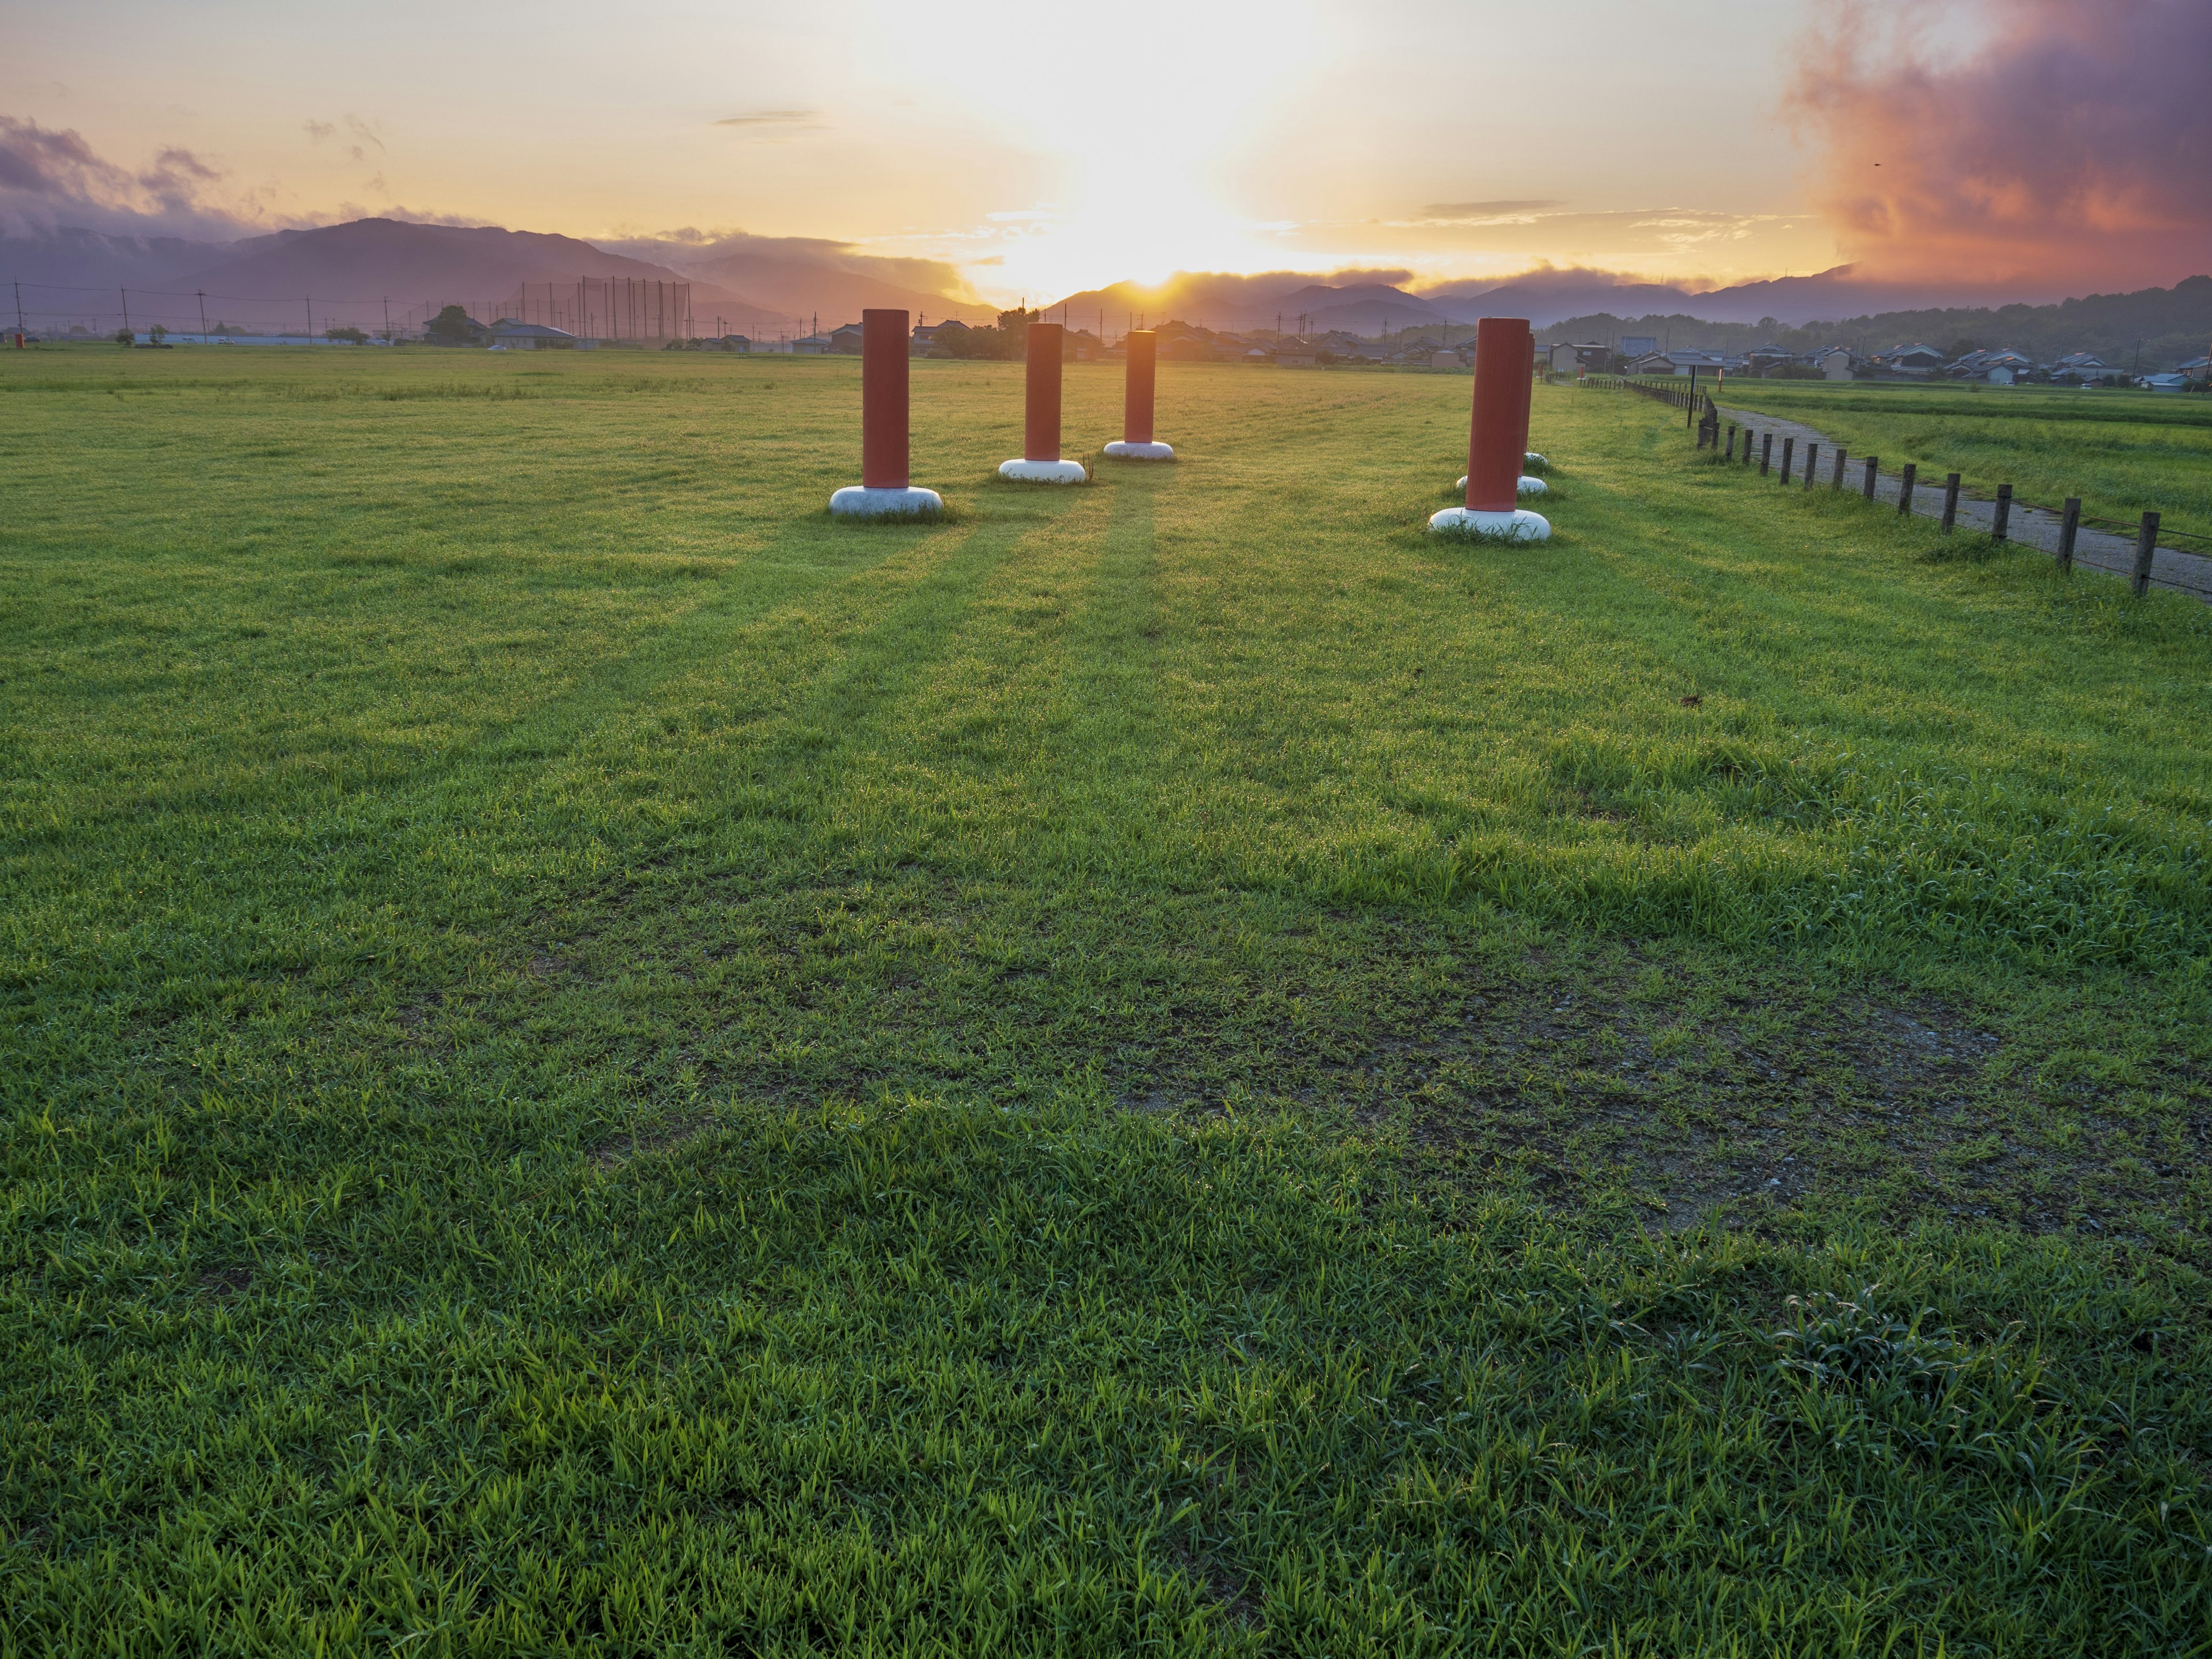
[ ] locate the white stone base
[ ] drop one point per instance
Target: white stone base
(1059, 472)
(858, 501)
(1121, 450)
(1515, 527)
(1523, 485)
(1531, 458)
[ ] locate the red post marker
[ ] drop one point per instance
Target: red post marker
(884, 431)
(1137, 389)
(1136, 441)
(1496, 441)
(1493, 438)
(884, 491)
(1041, 412)
(1040, 461)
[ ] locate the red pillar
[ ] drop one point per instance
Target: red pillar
(883, 429)
(1041, 412)
(1136, 396)
(1494, 446)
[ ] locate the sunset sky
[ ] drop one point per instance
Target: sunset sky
(1681, 141)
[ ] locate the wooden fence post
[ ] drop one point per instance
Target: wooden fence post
(1789, 447)
(1731, 449)
(2146, 548)
(1873, 472)
(2068, 527)
(1905, 483)
(1766, 454)
(1842, 455)
(2001, 520)
(1950, 501)
(1812, 463)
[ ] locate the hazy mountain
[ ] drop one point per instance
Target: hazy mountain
(803, 276)
(752, 285)
(1547, 297)
(1363, 301)
(1544, 296)
(73, 257)
(351, 269)
(2154, 328)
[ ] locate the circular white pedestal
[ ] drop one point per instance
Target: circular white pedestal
(1121, 450)
(1059, 472)
(1518, 525)
(1531, 458)
(1523, 485)
(858, 501)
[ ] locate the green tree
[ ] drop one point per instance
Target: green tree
(124, 337)
(451, 326)
(158, 333)
(350, 336)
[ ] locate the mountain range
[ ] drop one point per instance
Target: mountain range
(765, 285)
(350, 272)
(1358, 303)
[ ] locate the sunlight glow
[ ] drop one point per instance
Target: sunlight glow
(1138, 136)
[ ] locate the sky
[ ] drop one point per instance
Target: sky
(1671, 139)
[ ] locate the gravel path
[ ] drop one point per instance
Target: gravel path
(2031, 526)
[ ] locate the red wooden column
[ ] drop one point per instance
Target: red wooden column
(1497, 437)
(1494, 448)
(1041, 406)
(1136, 442)
(884, 491)
(1039, 461)
(885, 428)
(1137, 389)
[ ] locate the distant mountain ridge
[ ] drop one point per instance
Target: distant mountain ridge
(1543, 297)
(350, 272)
(2150, 330)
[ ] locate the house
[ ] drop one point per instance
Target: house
(812, 345)
(2164, 383)
(508, 335)
(2199, 368)
(1835, 363)
(936, 339)
(1915, 360)
(1679, 362)
(2081, 367)
(728, 342)
(1573, 359)
(846, 341)
(1764, 359)
(1295, 355)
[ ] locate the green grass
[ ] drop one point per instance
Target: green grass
(2124, 453)
(597, 1062)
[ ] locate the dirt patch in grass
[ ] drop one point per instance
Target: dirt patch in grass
(220, 1284)
(612, 1153)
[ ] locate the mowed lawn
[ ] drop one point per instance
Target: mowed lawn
(595, 1062)
(2123, 452)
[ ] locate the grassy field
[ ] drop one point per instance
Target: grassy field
(2124, 453)
(596, 1062)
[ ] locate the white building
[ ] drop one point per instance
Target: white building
(508, 335)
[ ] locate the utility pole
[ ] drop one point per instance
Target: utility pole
(311, 321)
(202, 298)
(125, 292)
(19, 310)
